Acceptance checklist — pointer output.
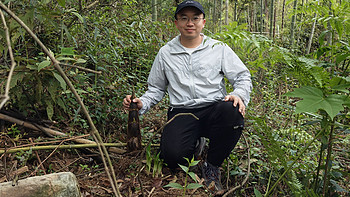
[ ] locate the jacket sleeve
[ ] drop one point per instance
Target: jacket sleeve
(157, 84)
(237, 74)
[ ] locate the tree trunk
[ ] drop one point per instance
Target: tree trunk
(271, 17)
(226, 17)
(293, 24)
(311, 35)
(235, 12)
(261, 17)
(154, 10)
(284, 5)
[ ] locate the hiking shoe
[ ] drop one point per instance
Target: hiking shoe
(212, 176)
(199, 148)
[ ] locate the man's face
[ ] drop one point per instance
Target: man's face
(190, 22)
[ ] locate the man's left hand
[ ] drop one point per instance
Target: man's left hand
(236, 100)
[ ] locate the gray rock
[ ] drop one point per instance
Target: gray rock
(62, 184)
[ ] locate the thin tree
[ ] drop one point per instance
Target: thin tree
(271, 17)
(154, 10)
(312, 34)
(226, 16)
(293, 23)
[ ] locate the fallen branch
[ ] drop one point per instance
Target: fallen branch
(52, 132)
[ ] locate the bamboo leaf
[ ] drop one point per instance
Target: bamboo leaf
(61, 80)
(174, 185)
(62, 3)
(184, 168)
(44, 64)
(193, 186)
(192, 175)
(49, 110)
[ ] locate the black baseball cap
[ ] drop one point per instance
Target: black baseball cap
(187, 3)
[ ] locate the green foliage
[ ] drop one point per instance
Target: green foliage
(187, 185)
(314, 99)
(154, 163)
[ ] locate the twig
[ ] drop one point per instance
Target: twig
(96, 135)
(37, 156)
(82, 68)
(13, 63)
(248, 171)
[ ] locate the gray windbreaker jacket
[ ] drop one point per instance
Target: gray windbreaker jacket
(195, 80)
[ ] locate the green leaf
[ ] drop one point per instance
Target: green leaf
(184, 168)
(49, 110)
(313, 100)
(62, 3)
(193, 186)
(174, 185)
(61, 80)
(44, 64)
(257, 193)
(81, 61)
(192, 175)
(79, 16)
(67, 51)
(18, 77)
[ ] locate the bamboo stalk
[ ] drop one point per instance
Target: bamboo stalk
(50, 147)
(13, 63)
(69, 146)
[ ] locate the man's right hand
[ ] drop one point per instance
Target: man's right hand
(127, 101)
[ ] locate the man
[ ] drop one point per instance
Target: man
(191, 68)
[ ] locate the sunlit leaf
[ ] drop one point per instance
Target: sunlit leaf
(314, 100)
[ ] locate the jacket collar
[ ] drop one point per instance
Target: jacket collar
(176, 46)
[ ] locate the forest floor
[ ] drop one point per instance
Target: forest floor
(131, 171)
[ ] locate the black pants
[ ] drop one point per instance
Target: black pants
(221, 123)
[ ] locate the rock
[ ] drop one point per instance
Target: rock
(62, 184)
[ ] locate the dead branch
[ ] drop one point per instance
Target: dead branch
(53, 132)
(95, 134)
(13, 63)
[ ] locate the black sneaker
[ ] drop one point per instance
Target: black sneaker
(199, 148)
(212, 176)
